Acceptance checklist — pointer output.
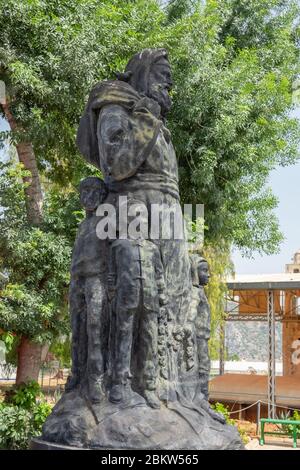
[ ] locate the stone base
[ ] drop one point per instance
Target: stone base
(40, 444)
(179, 425)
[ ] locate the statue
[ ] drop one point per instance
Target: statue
(88, 296)
(200, 278)
(137, 292)
(139, 335)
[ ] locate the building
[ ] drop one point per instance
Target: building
(291, 329)
(271, 298)
(294, 267)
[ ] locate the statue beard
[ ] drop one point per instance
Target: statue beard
(162, 97)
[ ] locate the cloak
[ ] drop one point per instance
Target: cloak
(143, 128)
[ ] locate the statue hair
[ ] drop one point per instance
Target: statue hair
(139, 66)
(195, 260)
(92, 182)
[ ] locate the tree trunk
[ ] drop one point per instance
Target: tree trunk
(33, 191)
(29, 361)
(29, 353)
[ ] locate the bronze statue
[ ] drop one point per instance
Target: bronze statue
(200, 278)
(138, 359)
(88, 297)
(136, 280)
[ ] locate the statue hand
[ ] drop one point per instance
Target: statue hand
(147, 103)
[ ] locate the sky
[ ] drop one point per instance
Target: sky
(285, 183)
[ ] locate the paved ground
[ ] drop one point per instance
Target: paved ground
(272, 444)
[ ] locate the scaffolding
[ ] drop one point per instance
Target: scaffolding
(263, 298)
(271, 356)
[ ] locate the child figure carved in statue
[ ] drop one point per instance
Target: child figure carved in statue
(199, 329)
(88, 297)
(200, 278)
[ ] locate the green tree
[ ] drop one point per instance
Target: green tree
(234, 74)
(51, 53)
(234, 64)
(220, 266)
(36, 262)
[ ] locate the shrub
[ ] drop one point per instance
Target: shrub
(39, 415)
(24, 395)
(22, 416)
(15, 427)
(288, 428)
(222, 409)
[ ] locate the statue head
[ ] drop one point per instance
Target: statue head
(92, 193)
(199, 270)
(149, 73)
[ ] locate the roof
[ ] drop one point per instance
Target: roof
(243, 367)
(248, 388)
(281, 281)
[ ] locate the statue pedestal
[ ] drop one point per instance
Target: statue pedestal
(76, 423)
(40, 444)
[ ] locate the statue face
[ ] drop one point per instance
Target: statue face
(91, 197)
(203, 273)
(160, 83)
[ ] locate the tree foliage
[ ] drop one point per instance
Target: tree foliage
(22, 415)
(36, 262)
(231, 122)
(51, 54)
(234, 65)
(220, 266)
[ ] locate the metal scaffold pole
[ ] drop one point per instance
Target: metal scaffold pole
(271, 356)
(222, 349)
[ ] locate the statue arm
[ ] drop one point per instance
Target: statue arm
(125, 139)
